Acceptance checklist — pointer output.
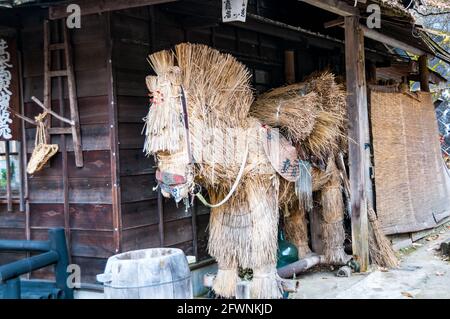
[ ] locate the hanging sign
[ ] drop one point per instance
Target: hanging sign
(9, 89)
(234, 10)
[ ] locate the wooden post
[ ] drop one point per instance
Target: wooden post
(358, 128)
(8, 177)
(59, 25)
(372, 73)
(289, 66)
(47, 79)
(114, 136)
(73, 101)
(424, 74)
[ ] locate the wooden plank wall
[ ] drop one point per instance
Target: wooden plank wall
(90, 206)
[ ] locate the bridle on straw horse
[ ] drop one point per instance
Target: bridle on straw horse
(195, 189)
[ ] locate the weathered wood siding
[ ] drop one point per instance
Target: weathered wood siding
(89, 195)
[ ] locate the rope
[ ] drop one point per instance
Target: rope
(233, 188)
(40, 131)
(186, 124)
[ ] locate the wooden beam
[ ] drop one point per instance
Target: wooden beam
(339, 22)
(289, 66)
(46, 109)
(8, 178)
(73, 100)
(99, 6)
(357, 134)
(377, 36)
(114, 136)
(22, 117)
(281, 30)
(336, 6)
(424, 74)
(64, 167)
(371, 73)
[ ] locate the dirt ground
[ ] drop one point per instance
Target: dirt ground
(423, 273)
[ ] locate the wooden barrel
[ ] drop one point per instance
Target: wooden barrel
(156, 273)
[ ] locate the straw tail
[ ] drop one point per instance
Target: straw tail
(380, 249)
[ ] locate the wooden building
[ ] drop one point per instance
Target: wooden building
(108, 205)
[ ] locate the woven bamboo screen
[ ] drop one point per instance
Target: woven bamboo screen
(412, 188)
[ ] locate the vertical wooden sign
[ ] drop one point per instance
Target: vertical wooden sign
(9, 89)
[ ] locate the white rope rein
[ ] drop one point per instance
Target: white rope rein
(233, 188)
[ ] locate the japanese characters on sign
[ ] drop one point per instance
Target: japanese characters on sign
(5, 91)
(234, 10)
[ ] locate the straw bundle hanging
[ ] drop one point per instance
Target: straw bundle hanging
(42, 151)
(292, 112)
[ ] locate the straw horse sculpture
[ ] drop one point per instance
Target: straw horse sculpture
(200, 131)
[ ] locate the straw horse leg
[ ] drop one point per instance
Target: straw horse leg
(332, 227)
(297, 230)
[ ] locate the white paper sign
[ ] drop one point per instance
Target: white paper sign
(5, 93)
(234, 10)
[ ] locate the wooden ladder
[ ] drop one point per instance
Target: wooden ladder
(68, 72)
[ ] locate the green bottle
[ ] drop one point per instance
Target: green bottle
(287, 252)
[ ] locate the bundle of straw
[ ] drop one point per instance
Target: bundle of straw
(312, 113)
(296, 228)
(266, 283)
(332, 226)
(292, 112)
(164, 127)
(243, 232)
(380, 249)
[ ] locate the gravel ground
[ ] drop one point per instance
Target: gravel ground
(423, 273)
